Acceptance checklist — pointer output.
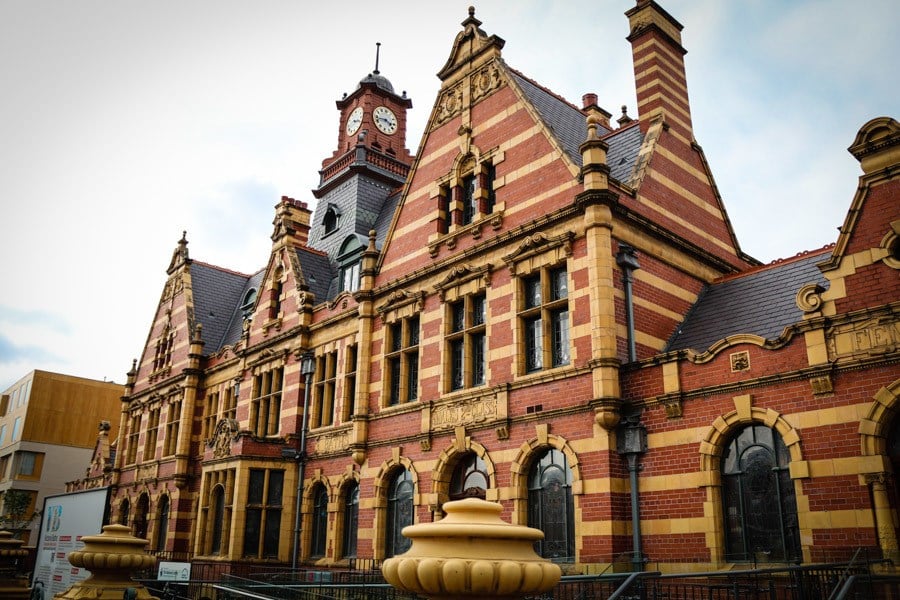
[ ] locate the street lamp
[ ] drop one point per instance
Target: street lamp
(307, 368)
(631, 443)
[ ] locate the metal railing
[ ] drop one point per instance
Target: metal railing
(852, 580)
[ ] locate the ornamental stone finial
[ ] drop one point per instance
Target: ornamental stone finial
(471, 553)
(111, 557)
(13, 584)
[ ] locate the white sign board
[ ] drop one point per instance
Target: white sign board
(65, 520)
(174, 571)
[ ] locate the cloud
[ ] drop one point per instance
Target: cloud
(34, 318)
(10, 352)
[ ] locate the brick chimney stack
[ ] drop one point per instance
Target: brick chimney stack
(292, 218)
(659, 68)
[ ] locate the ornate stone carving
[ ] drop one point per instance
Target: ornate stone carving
(449, 105)
(225, 434)
(674, 407)
(740, 361)
(332, 443)
(809, 298)
(484, 82)
(463, 412)
(821, 385)
(147, 471)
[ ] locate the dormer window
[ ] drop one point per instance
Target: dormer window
(349, 260)
(247, 304)
(331, 219)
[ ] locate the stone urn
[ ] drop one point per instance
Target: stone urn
(13, 584)
(471, 553)
(111, 557)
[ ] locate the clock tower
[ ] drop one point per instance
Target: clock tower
(362, 177)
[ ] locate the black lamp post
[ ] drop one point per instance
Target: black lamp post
(631, 443)
(307, 368)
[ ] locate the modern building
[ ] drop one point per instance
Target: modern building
(542, 307)
(48, 425)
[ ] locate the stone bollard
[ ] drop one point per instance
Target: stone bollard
(111, 557)
(13, 584)
(471, 553)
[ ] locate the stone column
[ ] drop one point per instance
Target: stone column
(471, 553)
(884, 521)
(111, 557)
(13, 585)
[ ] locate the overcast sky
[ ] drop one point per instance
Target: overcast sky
(123, 123)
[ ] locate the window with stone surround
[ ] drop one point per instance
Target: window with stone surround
(402, 361)
(551, 506)
(216, 508)
(152, 433)
(544, 319)
(350, 521)
(758, 498)
(466, 195)
(210, 414)
(470, 478)
(173, 418)
(349, 392)
(265, 407)
(319, 522)
(162, 523)
(134, 433)
(465, 342)
(349, 260)
(162, 357)
(262, 524)
(324, 390)
(399, 513)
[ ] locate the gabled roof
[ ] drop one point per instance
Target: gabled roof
(569, 125)
(760, 302)
(216, 293)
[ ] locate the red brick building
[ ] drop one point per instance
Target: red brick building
(543, 308)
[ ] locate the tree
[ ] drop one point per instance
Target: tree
(16, 516)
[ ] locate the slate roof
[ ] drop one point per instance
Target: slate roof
(216, 292)
(569, 126)
(318, 273)
(761, 302)
(236, 326)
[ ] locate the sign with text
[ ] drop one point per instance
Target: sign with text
(174, 571)
(65, 520)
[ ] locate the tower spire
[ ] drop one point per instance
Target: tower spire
(377, 52)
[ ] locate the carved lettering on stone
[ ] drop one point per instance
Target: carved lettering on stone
(875, 336)
(332, 443)
(464, 412)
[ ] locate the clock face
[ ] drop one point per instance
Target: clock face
(385, 120)
(354, 120)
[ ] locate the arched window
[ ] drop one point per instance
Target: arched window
(399, 513)
(351, 520)
(218, 519)
(319, 521)
(470, 479)
(349, 261)
(758, 497)
(124, 512)
(248, 302)
(140, 516)
(550, 506)
(162, 529)
(330, 221)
